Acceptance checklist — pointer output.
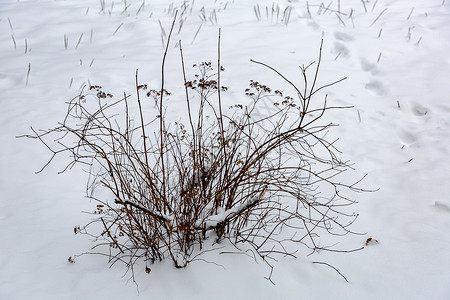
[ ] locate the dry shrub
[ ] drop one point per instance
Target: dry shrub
(174, 189)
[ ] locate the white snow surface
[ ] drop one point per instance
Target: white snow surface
(396, 55)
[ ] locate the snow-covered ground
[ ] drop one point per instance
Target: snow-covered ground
(396, 55)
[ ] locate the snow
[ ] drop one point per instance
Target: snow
(396, 58)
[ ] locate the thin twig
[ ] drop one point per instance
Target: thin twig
(378, 16)
(364, 4)
(79, 40)
(161, 117)
(117, 29)
(324, 263)
(28, 73)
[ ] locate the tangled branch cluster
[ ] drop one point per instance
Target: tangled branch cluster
(230, 173)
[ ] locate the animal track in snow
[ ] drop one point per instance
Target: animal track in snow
(377, 87)
(341, 49)
(343, 36)
(369, 67)
(442, 206)
(419, 110)
(407, 137)
(313, 25)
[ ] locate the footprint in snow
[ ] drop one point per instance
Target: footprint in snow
(407, 138)
(340, 47)
(369, 67)
(313, 25)
(419, 110)
(442, 206)
(342, 36)
(376, 87)
(341, 50)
